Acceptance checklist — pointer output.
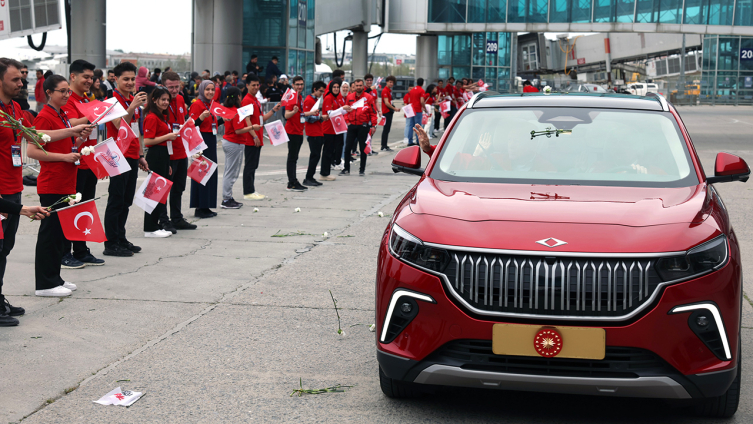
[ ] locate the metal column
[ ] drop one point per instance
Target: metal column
(217, 42)
(427, 60)
(360, 53)
(88, 31)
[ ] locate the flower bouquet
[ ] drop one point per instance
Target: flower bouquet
(30, 133)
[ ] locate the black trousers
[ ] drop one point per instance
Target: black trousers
(50, 246)
(437, 117)
(453, 111)
(294, 147)
(329, 153)
(86, 184)
(251, 155)
(159, 161)
(10, 226)
(338, 150)
(315, 145)
(180, 173)
(121, 190)
(386, 129)
(356, 134)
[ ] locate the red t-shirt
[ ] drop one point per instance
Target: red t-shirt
(230, 127)
(530, 89)
(255, 119)
(313, 129)
(55, 177)
(176, 113)
(11, 177)
(197, 108)
(329, 104)
(156, 126)
(386, 95)
(294, 124)
(112, 130)
(416, 95)
(72, 112)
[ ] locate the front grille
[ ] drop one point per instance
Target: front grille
(619, 362)
(551, 286)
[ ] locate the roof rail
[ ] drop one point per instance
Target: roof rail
(662, 100)
(481, 94)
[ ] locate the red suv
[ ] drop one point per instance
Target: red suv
(564, 243)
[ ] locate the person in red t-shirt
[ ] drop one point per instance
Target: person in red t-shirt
(204, 197)
(332, 142)
(529, 88)
(361, 124)
(314, 130)
(176, 117)
(122, 188)
(417, 102)
(81, 77)
(440, 98)
(56, 180)
(430, 96)
(254, 140)
(233, 143)
(296, 117)
(39, 95)
(388, 110)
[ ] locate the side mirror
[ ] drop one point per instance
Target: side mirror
(729, 168)
(408, 160)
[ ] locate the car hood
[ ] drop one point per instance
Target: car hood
(627, 206)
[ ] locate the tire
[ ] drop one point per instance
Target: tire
(725, 405)
(397, 389)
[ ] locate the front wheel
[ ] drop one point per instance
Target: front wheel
(397, 389)
(725, 405)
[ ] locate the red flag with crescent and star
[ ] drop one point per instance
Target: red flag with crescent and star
(191, 137)
(95, 110)
(288, 99)
(152, 191)
(125, 136)
(223, 112)
(201, 170)
(81, 222)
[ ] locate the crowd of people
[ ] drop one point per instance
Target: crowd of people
(156, 105)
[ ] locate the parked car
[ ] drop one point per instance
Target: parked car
(642, 89)
(585, 88)
(553, 245)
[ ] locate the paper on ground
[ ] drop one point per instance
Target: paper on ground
(119, 397)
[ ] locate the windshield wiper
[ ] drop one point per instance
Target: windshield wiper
(548, 132)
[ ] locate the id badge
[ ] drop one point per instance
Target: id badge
(94, 134)
(214, 128)
(170, 147)
(135, 128)
(303, 119)
(15, 153)
(176, 128)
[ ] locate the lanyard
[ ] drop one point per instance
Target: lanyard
(206, 106)
(66, 122)
(173, 112)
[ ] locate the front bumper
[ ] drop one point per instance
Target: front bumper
(692, 370)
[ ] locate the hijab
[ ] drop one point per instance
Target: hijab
(339, 83)
(200, 90)
(142, 80)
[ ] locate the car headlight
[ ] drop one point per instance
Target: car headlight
(411, 249)
(698, 260)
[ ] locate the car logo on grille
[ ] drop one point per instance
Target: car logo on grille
(551, 242)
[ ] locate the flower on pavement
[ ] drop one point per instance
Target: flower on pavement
(372, 328)
(256, 210)
(297, 209)
(380, 214)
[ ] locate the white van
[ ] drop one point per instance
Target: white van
(641, 89)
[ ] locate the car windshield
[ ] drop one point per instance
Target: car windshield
(568, 146)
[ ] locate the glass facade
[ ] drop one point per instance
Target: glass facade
(696, 12)
(282, 28)
(727, 70)
(488, 63)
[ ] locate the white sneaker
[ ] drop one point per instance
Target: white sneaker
(70, 286)
(158, 234)
(58, 291)
(254, 196)
(405, 141)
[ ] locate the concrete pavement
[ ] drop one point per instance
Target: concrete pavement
(219, 324)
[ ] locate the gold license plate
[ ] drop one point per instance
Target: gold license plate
(573, 342)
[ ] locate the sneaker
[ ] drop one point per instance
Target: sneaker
(182, 224)
(361, 174)
(157, 234)
(405, 141)
(58, 291)
(129, 246)
(8, 309)
(311, 182)
(338, 167)
(327, 178)
(7, 320)
(373, 153)
(344, 172)
(386, 149)
(168, 226)
(230, 204)
(69, 262)
(117, 250)
(296, 187)
(69, 286)
(254, 196)
(90, 260)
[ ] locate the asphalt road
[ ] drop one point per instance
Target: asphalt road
(220, 324)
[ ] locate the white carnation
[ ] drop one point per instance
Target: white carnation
(372, 328)
(46, 138)
(297, 209)
(256, 210)
(380, 214)
(547, 89)
(77, 197)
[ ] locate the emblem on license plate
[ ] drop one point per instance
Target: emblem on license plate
(547, 342)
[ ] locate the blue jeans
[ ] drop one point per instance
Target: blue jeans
(413, 121)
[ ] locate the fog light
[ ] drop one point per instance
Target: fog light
(406, 308)
(702, 321)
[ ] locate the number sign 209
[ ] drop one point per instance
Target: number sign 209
(746, 54)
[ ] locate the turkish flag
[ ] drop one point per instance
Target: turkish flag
(107, 160)
(367, 149)
(152, 191)
(95, 110)
(288, 98)
(382, 121)
(408, 111)
(337, 117)
(222, 111)
(125, 136)
(191, 137)
(444, 107)
(81, 222)
(201, 170)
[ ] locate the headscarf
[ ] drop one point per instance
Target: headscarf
(339, 83)
(200, 90)
(142, 80)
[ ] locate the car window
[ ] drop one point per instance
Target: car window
(638, 85)
(593, 147)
